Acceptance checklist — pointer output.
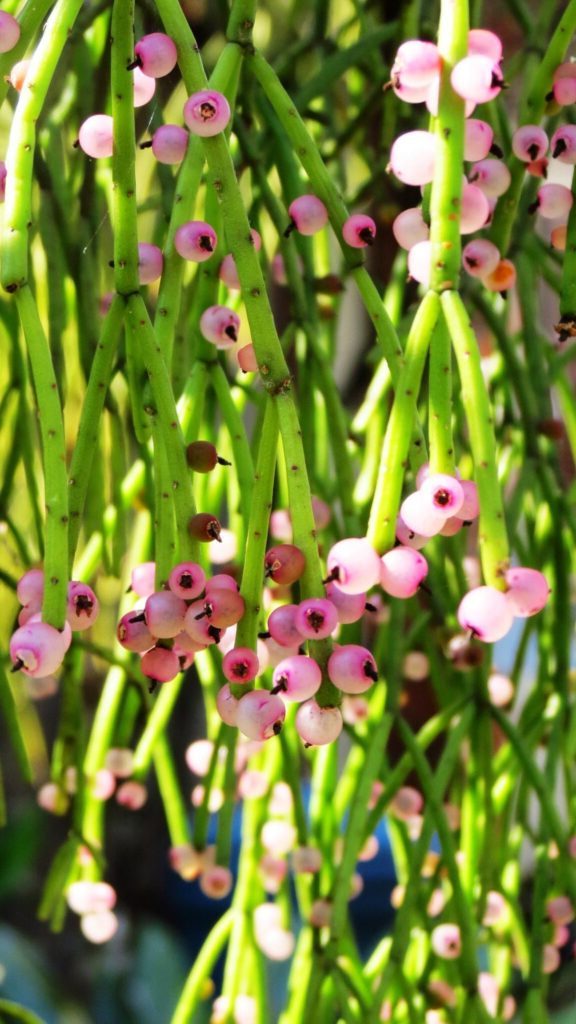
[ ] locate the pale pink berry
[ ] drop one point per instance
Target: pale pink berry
(18, 73)
(41, 689)
(252, 784)
(260, 714)
(444, 492)
(82, 606)
(352, 668)
(132, 795)
(446, 941)
(528, 591)
(240, 665)
(133, 633)
(160, 664)
(207, 113)
(150, 262)
(480, 257)
(297, 678)
(492, 176)
(143, 579)
(277, 944)
(99, 926)
(278, 837)
(560, 910)
(413, 157)
(215, 798)
(474, 209)
(187, 580)
(247, 361)
(227, 705)
(156, 55)
(349, 607)
(316, 618)
(482, 41)
(359, 231)
(306, 860)
(30, 588)
(169, 143)
(421, 515)
(451, 527)
(144, 87)
(245, 1010)
(317, 725)
(495, 908)
(308, 215)
(37, 649)
(478, 139)
(216, 882)
(416, 666)
(281, 800)
(103, 784)
(51, 798)
(228, 272)
(551, 959)
(487, 613)
(417, 94)
(409, 228)
(420, 263)
(553, 201)
(500, 689)
(120, 761)
(198, 757)
(409, 538)
(416, 63)
(282, 626)
(477, 78)
(406, 803)
(95, 136)
(563, 144)
(199, 627)
(164, 613)
(353, 565)
(187, 861)
(564, 87)
(276, 653)
(221, 581)
(9, 32)
(195, 241)
(84, 897)
(220, 325)
(529, 143)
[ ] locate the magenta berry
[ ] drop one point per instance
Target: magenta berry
(353, 565)
(307, 214)
(416, 64)
(352, 668)
(220, 325)
(95, 136)
(156, 55)
(207, 113)
(487, 613)
(409, 228)
(240, 665)
(187, 580)
(477, 78)
(282, 626)
(82, 606)
(9, 32)
(359, 231)
(403, 570)
(478, 139)
(160, 664)
(150, 262)
(529, 143)
(169, 143)
(260, 714)
(528, 591)
(133, 633)
(413, 157)
(316, 618)
(297, 678)
(195, 241)
(480, 257)
(37, 649)
(284, 563)
(164, 614)
(317, 725)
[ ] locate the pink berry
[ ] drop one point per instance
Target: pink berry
(474, 209)
(196, 241)
(144, 87)
(308, 215)
(187, 580)
(565, 91)
(143, 579)
(317, 725)
(220, 325)
(160, 664)
(169, 143)
(352, 668)
(349, 607)
(240, 665)
(37, 649)
(528, 591)
(529, 143)
(563, 144)
(132, 795)
(30, 588)
(487, 613)
(359, 231)
(150, 262)
(417, 94)
(282, 626)
(316, 618)
(96, 136)
(478, 139)
(297, 678)
(278, 837)
(477, 78)
(156, 55)
(221, 581)
(353, 565)
(227, 705)
(82, 606)
(492, 176)
(216, 882)
(403, 570)
(409, 228)
(553, 201)
(413, 157)
(18, 73)
(260, 714)
(446, 941)
(482, 41)
(560, 910)
(9, 32)
(133, 633)
(500, 689)
(306, 860)
(207, 113)
(409, 538)
(416, 63)
(164, 614)
(480, 257)
(84, 897)
(445, 493)
(284, 563)
(421, 515)
(224, 607)
(247, 361)
(198, 625)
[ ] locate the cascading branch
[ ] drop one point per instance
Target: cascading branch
(327, 625)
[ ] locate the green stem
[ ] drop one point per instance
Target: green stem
(124, 211)
(155, 726)
(204, 964)
(442, 457)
